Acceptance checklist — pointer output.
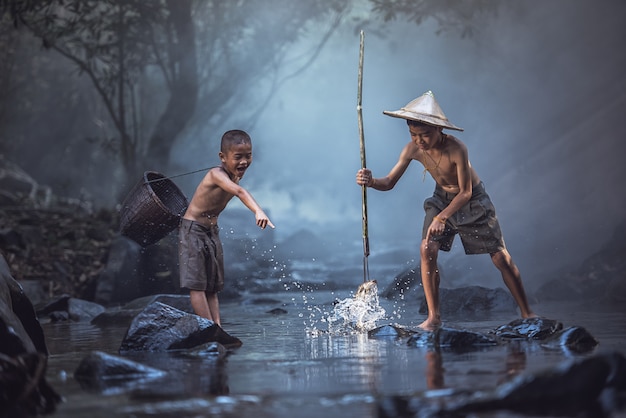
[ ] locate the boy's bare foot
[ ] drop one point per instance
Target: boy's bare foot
(430, 324)
(530, 315)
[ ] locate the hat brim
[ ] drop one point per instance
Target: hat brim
(419, 117)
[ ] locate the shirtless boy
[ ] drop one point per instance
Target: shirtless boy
(459, 205)
(200, 250)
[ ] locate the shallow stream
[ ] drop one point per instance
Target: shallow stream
(291, 366)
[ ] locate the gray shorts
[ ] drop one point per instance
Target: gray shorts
(200, 256)
(476, 222)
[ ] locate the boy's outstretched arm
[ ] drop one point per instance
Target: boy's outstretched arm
(262, 220)
(222, 180)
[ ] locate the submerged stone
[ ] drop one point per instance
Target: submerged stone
(389, 331)
(460, 339)
(97, 367)
(277, 311)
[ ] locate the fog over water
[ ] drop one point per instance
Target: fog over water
(540, 97)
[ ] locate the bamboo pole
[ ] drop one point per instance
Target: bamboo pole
(359, 108)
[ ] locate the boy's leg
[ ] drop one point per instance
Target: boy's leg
(200, 304)
(430, 281)
(513, 280)
(214, 307)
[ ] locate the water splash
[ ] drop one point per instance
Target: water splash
(357, 314)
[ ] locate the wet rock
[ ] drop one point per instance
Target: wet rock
(451, 339)
(160, 327)
(572, 340)
(24, 390)
(390, 331)
(277, 311)
(21, 330)
(99, 370)
(423, 339)
(83, 310)
(593, 386)
(66, 307)
(529, 328)
(60, 303)
(35, 291)
(472, 301)
(462, 339)
(570, 388)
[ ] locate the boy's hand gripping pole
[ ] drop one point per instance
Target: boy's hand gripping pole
(366, 243)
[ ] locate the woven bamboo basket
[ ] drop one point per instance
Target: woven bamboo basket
(152, 209)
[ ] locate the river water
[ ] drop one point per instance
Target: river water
(290, 365)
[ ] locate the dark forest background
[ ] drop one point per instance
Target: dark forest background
(94, 93)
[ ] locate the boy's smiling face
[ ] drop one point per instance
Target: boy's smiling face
(237, 159)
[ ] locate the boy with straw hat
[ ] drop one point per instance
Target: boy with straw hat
(459, 205)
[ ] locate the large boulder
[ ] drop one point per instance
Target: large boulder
(24, 390)
(160, 327)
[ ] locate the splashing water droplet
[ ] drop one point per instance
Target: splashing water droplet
(357, 314)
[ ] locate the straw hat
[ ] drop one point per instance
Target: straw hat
(424, 109)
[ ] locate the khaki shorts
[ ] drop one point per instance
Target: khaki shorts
(476, 222)
(200, 256)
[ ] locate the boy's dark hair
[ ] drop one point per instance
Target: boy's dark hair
(233, 137)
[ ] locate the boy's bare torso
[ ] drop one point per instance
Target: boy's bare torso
(443, 162)
(209, 200)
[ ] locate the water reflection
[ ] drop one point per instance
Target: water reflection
(282, 368)
(359, 360)
(434, 370)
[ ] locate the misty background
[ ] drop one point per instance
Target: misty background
(540, 92)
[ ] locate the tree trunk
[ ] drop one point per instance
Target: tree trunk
(184, 88)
